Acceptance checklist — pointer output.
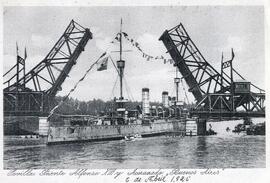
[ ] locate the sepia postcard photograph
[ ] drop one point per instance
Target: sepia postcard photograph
(162, 92)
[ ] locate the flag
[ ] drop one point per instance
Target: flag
(102, 64)
(125, 34)
(103, 54)
(226, 64)
(17, 49)
(222, 58)
(232, 54)
(20, 60)
(25, 53)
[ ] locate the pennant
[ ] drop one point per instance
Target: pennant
(103, 54)
(232, 54)
(102, 65)
(136, 44)
(125, 34)
(25, 53)
(222, 58)
(148, 58)
(131, 40)
(17, 49)
(82, 79)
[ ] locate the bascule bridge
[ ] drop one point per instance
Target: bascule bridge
(32, 93)
(217, 94)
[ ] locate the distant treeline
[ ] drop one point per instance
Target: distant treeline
(92, 107)
(95, 106)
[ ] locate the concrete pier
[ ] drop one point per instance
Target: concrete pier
(195, 126)
(43, 126)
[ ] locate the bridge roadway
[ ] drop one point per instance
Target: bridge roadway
(218, 114)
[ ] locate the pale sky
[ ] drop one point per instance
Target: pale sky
(212, 29)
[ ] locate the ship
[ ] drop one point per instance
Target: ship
(121, 123)
(40, 125)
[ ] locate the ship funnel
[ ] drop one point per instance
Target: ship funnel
(145, 101)
(165, 99)
(173, 100)
(170, 101)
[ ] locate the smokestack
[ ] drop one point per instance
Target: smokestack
(165, 99)
(145, 101)
(173, 100)
(170, 101)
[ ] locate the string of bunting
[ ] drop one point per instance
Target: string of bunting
(137, 45)
(77, 83)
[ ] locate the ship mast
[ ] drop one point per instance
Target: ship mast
(121, 64)
(177, 81)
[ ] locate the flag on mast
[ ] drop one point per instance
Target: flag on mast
(20, 60)
(102, 64)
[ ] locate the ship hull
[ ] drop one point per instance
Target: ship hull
(70, 134)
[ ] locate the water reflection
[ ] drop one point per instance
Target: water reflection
(154, 152)
(201, 151)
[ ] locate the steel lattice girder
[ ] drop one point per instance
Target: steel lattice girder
(51, 72)
(212, 91)
(25, 103)
(47, 76)
(199, 75)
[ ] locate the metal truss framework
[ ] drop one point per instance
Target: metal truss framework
(28, 93)
(213, 91)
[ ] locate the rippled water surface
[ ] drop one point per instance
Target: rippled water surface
(225, 150)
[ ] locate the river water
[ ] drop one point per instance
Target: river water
(224, 150)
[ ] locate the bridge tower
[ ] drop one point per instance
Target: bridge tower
(32, 93)
(216, 94)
